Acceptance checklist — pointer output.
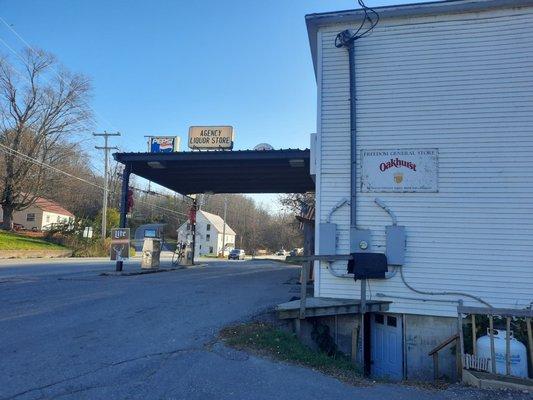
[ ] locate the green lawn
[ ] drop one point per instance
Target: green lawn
(13, 241)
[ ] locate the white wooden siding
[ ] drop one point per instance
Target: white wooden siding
(459, 83)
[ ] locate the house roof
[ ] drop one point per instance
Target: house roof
(51, 206)
(217, 222)
(315, 21)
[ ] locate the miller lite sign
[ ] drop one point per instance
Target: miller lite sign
(399, 170)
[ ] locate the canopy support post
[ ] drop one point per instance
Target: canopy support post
(123, 204)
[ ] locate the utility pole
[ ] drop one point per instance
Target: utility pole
(224, 226)
(106, 149)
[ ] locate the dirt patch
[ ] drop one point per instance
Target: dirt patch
(35, 253)
(267, 339)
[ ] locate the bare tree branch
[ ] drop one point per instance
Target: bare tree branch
(41, 117)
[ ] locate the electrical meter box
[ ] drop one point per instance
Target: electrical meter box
(359, 240)
(368, 265)
(395, 241)
(328, 238)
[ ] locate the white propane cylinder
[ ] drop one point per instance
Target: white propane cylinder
(518, 353)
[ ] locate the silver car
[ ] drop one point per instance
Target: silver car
(236, 254)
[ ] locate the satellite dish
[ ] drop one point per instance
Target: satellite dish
(263, 147)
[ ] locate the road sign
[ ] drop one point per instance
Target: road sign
(120, 244)
(88, 232)
(211, 137)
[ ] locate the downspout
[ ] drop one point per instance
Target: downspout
(353, 189)
(353, 136)
(348, 40)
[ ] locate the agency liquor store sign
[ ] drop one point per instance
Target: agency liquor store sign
(399, 170)
(211, 137)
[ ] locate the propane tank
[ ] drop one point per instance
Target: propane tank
(518, 353)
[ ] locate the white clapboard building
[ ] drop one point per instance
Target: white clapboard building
(210, 230)
(444, 140)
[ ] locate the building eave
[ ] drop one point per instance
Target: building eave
(317, 20)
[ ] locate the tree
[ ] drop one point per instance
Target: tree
(112, 219)
(293, 202)
(42, 108)
(82, 199)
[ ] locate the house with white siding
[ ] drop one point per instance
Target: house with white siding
(443, 119)
(210, 231)
(42, 215)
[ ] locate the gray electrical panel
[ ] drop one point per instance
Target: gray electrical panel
(395, 238)
(359, 240)
(327, 233)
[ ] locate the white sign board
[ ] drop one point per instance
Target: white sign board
(211, 137)
(400, 170)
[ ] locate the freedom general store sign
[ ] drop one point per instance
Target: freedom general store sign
(400, 170)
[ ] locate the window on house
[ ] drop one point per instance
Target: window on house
(188, 226)
(208, 237)
(47, 218)
(30, 217)
(208, 227)
(58, 218)
(211, 250)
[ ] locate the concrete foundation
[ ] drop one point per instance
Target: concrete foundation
(343, 330)
(421, 335)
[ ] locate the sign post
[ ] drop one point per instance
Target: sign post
(120, 244)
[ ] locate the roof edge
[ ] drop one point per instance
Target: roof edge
(316, 20)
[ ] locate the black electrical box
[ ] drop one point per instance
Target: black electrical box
(368, 265)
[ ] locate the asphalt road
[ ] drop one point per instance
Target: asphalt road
(68, 333)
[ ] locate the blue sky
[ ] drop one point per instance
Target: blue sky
(160, 66)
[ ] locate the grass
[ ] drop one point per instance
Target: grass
(14, 241)
(268, 340)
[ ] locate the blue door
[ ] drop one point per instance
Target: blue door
(386, 346)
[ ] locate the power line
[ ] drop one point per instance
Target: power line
(85, 125)
(8, 149)
(55, 69)
(23, 76)
(346, 37)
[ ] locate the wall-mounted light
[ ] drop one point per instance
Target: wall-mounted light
(297, 163)
(155, 165)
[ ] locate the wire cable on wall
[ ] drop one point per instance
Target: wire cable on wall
(346, 37)
(445, 293)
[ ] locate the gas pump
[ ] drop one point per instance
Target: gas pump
(151, 251)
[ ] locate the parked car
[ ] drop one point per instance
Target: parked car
(236, 254)
(281, 253)
(296, 252)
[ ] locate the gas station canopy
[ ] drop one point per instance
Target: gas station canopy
(245, 171)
